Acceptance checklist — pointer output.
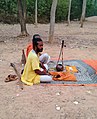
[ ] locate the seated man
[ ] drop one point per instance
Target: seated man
(34, 70)
(44, 58)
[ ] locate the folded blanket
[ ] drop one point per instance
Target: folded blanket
(63, 76)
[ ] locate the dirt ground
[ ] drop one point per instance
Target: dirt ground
(47, 102)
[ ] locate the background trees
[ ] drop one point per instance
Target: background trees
(9, 10)
(83, 12)
(22, 16)
(69, 11)
(52, 20)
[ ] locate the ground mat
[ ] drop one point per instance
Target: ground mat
(86, 72)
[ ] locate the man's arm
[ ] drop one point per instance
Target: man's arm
(42, 66)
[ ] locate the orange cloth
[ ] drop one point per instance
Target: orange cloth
(63, 76)
(29, 48)
(92, 63)
(71, 68)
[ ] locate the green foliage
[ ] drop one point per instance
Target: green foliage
(44, 7)
(9, 10)
(43, 10)
(76, 9)
(2, 6)
(30, 7)
(62, 10)
(91, 8)
(8, 6)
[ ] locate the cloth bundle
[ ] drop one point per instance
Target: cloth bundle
(63, 76)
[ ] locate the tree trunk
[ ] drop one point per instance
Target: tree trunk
(36, 13)
(24, 4)
(22, 17)
(69, 12)
(83, 12)
(52, 20)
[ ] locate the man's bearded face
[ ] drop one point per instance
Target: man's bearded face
(40, 46)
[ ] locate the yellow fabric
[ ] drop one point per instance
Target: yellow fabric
(29, 76)
(71, 69)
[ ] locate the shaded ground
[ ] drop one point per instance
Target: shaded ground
(47, 102)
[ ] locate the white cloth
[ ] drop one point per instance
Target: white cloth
(45, 58)
(45, 78)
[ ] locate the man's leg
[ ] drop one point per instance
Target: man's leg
(45, 78)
